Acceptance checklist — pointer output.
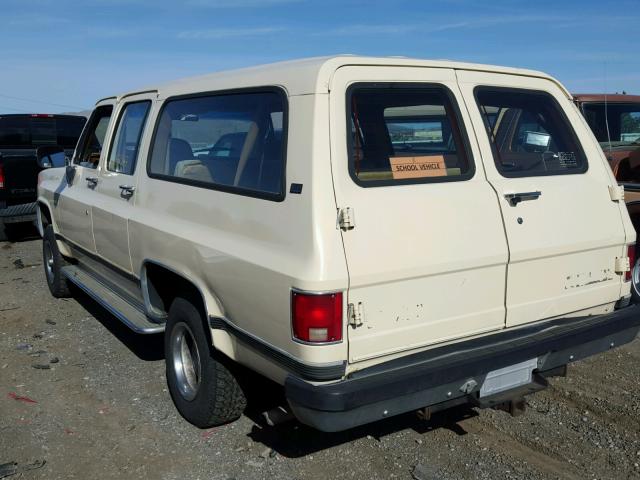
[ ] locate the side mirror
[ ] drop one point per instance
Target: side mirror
(70, 174)
(50, 156)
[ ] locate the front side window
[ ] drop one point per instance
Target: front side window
(124, 150)
(229, 142)
(93, 138)
(403, 133)
(529, 133)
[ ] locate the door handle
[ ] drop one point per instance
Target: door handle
(127, 190)
(515, 198)
(92, 181)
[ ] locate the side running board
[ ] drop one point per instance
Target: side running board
(131, 315)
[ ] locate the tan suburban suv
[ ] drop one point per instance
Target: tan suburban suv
(377, 235)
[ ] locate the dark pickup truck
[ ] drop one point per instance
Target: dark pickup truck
(20, 136)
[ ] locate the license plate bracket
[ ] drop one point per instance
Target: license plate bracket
(507, 378)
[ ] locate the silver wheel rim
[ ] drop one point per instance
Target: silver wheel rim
(186, 361)
(48, 261)
(635, 278)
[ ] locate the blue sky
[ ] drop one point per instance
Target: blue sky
(62, 55)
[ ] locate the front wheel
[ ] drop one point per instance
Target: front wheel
(204, 391)
(53, 262)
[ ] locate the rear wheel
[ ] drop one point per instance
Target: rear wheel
(204, 391)
(53, 262)
(635, 281)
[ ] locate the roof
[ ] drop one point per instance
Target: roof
(312, 75)
(611, 98)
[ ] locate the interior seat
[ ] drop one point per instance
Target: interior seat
(177, 150)
(193, 169)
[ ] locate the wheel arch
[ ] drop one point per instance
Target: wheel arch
(44, 218)
(161, 284)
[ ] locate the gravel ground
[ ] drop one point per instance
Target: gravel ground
(89, 399)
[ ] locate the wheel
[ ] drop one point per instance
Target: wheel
(53, 263)
(204, 391)
(635, 282)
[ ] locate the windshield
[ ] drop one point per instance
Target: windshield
(26, 131)
(623, 122)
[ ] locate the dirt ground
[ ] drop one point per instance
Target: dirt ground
(89, 399)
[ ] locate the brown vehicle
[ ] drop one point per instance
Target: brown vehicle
(615, 121)
(616, 125)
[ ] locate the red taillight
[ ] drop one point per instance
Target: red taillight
(1, 177)
(317, 318)
(631, 253)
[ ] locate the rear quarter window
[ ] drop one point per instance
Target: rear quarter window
(405, 133)
(233, 142)
(530, 134)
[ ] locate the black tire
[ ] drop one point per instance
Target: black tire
(53, 262)
(203, 390)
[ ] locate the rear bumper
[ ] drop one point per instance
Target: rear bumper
(438, 378)
(25, 212)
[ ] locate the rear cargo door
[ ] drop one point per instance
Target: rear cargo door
(421, 226)
(563, 229)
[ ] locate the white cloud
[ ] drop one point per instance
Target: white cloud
(227, 32)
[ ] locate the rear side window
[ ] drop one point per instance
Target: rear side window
(529, 133)
(32, 131)
(15, 131)
(68, 131)
(232, 142)
(124, 150)
(405, 133)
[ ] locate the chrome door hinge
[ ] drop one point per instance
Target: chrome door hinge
(355, 314)
(346, 220)
(616, 192)
(622, 265)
